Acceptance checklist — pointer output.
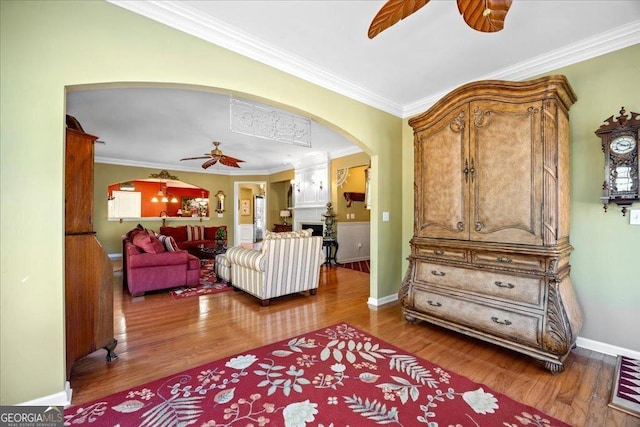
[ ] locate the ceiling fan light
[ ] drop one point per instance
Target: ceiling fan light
(174, 199)
(165, 199)
(154, 199)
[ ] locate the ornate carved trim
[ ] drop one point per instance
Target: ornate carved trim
(403, 292)
(479, 117)
(558, 336)
(341, 176)
(164, 174)
(457, 124)
(269, 123)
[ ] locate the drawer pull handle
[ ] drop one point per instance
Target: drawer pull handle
(438, 273)
(502, 285)
(434, 304)
(438, 252)
(498, 321)
(504, 259)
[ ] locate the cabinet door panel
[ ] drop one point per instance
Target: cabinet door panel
(506, 174)
(442, 195)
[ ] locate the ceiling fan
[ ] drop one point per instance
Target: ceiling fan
(216, 156)
(486, 16)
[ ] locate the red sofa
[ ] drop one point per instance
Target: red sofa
(191, 237)
(148, 266)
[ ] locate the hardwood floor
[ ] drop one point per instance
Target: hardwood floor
(159, 336)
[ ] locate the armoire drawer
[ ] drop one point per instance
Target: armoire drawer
(509, 260)
(517, 289)
(519, 326)
(442, 253)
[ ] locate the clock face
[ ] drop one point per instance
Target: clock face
(623, 144)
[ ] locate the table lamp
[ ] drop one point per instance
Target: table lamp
(285, 214)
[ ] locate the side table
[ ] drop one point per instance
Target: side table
(279, 228)
(330, 246)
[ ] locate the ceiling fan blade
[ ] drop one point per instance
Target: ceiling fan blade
(212, 161)
(486, 16)
(392, 12)
(230, 161)
(196, 158)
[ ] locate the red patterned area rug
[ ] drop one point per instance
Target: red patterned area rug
(357, 265)
(626, 391)
(337, 376)
(209, 284)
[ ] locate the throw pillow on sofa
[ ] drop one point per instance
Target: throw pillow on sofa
(287, 234)
(148, 242)
(168, 242)
(195, 232)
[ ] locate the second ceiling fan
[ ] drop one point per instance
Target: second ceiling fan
(486, 16)
(216, 156)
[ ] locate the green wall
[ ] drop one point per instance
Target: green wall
(606, 247)
(46, 46)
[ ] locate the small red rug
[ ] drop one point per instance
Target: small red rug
(357, 265)
(209, 283)
(337, 376)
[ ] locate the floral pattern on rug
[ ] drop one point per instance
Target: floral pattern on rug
(208, 283)
(338, 376)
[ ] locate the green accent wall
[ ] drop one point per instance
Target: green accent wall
(48, 46)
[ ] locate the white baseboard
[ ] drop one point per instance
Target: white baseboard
(114, 256)
(377, 302)
(605, 348)
(61, 398)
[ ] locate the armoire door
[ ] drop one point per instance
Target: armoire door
(506, 172)
(442, 188)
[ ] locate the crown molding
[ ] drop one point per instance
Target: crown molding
(184, 18)
(624, 36)
(181, 17)
(165, 166)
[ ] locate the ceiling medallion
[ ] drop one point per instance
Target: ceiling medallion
(268, 123)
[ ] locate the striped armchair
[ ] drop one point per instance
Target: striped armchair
(283, 266)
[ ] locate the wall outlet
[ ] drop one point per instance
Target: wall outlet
(385, 216)
(634, 217)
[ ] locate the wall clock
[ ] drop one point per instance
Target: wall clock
(619, 139)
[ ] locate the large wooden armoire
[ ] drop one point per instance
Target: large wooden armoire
(490, 248)
(88, 271)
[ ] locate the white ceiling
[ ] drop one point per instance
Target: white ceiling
(403, 71)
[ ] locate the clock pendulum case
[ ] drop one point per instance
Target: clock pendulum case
(620, 147)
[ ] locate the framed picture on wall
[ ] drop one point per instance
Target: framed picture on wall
(245, 208)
